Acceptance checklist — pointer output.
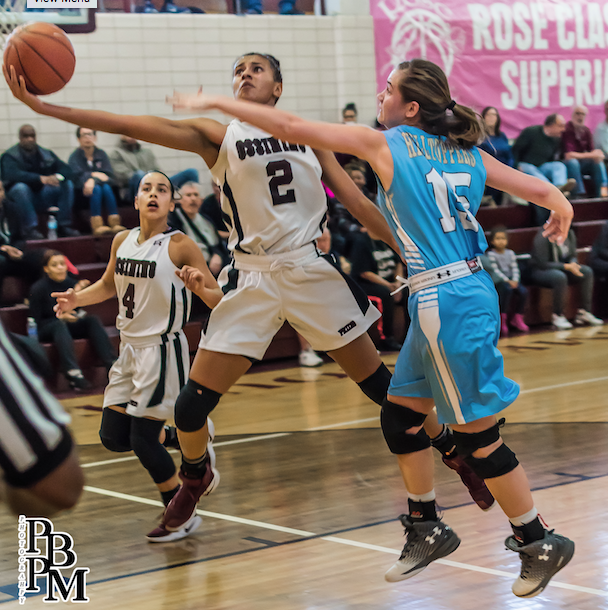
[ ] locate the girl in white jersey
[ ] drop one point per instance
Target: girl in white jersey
(431, 178)
(151, 270)
(272, 194)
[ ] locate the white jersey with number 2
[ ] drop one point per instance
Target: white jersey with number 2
(272, 194)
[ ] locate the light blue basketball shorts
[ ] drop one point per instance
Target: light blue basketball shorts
(450, 352)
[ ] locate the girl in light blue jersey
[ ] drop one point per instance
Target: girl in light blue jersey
(431, 178)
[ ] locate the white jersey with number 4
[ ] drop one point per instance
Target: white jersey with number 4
(152, 300)
(271, 191)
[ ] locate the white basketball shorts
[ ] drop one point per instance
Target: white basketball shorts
(148, 375)
(301, 287)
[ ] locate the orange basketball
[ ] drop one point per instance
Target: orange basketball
(42, 54)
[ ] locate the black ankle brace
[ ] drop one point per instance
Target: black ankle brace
(422, 511)
(194, 469)
(530, 532)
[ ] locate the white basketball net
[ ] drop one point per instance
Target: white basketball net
(11, 15)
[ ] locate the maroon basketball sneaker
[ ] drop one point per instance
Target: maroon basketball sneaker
(477, 488)
(180, 518)
(183, 504)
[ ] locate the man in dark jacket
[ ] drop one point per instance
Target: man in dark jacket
(36, 179)
(554, 266)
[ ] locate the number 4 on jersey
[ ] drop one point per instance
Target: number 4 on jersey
(440, 189)
(128, 300)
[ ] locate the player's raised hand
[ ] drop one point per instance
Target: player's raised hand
(192, 277)
(18, 88)
(557, 227)
(189, 101)
(66, 302)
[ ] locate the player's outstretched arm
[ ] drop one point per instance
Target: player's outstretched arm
(201, 136)
(361, 141)
(353, 199)
(193, 270)
(509, 180)
(102, 290)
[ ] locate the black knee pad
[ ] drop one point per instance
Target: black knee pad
(147, 447)
(396, 421)
(376, 385)
(468, 443)
(115, 430)
(193, 405)
(501, 461)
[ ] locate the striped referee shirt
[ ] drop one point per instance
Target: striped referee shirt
(33, 436)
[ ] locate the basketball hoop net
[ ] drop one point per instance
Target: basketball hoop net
(11, 15)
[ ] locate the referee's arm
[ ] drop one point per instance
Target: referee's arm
(37, 455)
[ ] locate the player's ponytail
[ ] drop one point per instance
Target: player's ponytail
(424, 82)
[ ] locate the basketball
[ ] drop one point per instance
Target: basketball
(42, 54)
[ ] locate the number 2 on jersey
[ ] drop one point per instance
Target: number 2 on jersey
(128, 300)
(281, 176)
(440, 189)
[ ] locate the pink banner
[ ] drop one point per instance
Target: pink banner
(528, 59)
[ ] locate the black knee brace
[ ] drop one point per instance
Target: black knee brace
(396, 421)
(501, 461)
(193, 405)
(115, 430)
(376, 385)
(147, 447)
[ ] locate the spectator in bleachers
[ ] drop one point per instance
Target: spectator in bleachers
(36, 179)
(537, 150)
(349, 117)
(130, 161)
(63, 329)
(168, 7)
(211, 208)
(349, 113)
(254, 7)
(94, 178)
(505, 273)
(15, 260)
(600, 136)
(598, 257)
(581, 157)
(375, 268)
(357, 171)
(497, 145)
(188, 217)
(553, 266)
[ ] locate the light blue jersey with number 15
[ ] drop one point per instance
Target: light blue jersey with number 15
(450, 352)
(432, 202)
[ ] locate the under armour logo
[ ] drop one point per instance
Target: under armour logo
(546, 548)
(158, 242)
(442, 274)
(431, 539)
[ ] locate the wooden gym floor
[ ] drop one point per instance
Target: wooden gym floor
(305, 515)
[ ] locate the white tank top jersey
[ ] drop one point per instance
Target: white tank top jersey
(152, 300)
(272, 196)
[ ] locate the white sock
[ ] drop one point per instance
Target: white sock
(525, 518)
(427, 497)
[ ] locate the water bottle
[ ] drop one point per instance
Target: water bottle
(52, 227)
(32, 329)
